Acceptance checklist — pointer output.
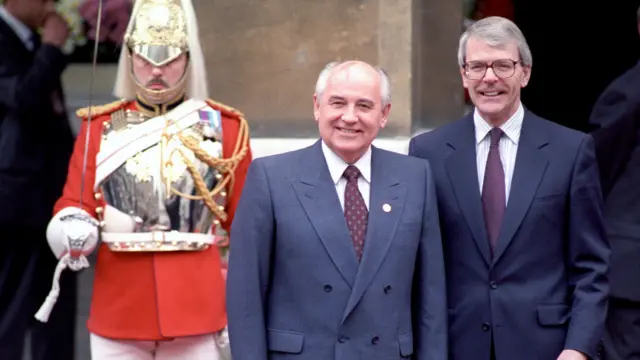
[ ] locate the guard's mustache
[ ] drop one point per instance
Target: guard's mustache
(157, 82)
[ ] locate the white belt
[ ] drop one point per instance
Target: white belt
(157, 236)
(157, 241)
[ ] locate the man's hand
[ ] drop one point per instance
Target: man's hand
(571, 355)
(55, 30)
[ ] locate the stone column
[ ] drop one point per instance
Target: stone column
(394, 55)
(438, 95)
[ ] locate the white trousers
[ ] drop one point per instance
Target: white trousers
(201, 347)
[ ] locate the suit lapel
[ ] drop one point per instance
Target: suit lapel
(385, 189)
(18, 44)
(317, 194)
(529, 170)
(463, 174)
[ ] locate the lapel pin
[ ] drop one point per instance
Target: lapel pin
(386, 207)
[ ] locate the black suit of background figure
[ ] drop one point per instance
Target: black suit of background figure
(35, 147)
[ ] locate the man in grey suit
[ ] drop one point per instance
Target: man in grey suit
(309, 280)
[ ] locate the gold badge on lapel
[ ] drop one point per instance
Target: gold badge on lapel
(386, 208)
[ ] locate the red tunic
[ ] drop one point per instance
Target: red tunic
(153, 296)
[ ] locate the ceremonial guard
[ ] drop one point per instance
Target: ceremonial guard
(154, 188)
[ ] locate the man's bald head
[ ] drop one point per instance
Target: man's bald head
(354, 69)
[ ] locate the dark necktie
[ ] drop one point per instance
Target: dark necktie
(355, 210)
(493, 191)
(35, 42)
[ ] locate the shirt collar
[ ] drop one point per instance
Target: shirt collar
(337, 166)
(511, 127)
(22, 30)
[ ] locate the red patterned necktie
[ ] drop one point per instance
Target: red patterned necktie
(355, 209)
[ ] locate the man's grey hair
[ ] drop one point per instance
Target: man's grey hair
(496, 32)
(325, 74)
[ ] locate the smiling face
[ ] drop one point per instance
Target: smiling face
(349, 111)
(496, 95)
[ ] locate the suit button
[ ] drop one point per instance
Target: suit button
(486, 327)
(493, 285)
(387, 289)
(342, 339)
(374, 340)
(328, 288)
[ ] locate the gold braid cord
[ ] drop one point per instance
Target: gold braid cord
(99, 110)
(226, 167)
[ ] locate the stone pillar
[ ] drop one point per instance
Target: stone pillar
(438, 95)
(394, 55)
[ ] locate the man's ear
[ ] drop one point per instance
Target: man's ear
(385, 115)
(316, 108)
(526, 71)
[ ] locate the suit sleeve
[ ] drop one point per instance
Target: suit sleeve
(608, 108)
(588, 255)
(252, 234)
(27, 91)
(413, 151)
(615, 121)
(430, 284)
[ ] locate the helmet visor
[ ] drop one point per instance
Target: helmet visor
(157, 55)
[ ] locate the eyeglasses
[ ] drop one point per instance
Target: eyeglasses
(503, 68)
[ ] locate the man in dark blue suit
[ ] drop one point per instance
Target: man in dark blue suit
(35, 147)
(616, 121)
(520, 212)
(331, 243)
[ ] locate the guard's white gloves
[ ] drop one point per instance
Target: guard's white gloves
(72, 235)
(74, 232)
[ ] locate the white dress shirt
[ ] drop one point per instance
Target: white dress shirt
(337, 166)
(508, 145)
(23, 32)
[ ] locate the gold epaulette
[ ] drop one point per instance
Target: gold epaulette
(98, 110)
(228, 110)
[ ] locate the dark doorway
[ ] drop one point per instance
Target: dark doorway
(578, 48)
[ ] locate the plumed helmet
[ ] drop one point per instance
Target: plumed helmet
(159, 31)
